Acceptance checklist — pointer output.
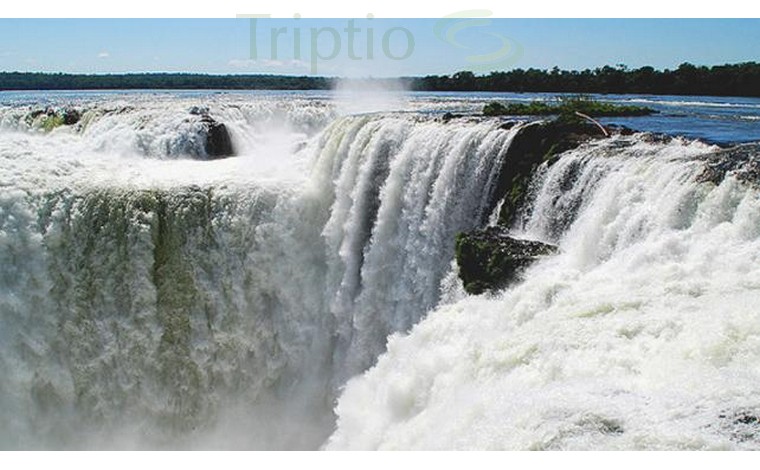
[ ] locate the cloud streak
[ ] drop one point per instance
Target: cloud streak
(268, 63)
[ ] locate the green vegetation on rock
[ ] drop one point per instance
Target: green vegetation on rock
(490, 259)
(49, 118)
(49, 123)
(565, 107)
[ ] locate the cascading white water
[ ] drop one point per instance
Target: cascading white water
(642, 333)
(163, 126)
(147, 302)
(402, 193)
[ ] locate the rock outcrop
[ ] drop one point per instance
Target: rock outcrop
(71, 116)
(743, 161)
(218, 143)
(49, 118)
(532, 146)
(490, 259)
(218, 140)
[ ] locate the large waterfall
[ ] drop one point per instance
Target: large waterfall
(150, 300)
(642, 333)
(302, 294)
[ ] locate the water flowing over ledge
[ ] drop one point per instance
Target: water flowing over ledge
(155, 303)
(640, 334)
(152, 299)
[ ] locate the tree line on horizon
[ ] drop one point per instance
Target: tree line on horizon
(688, 79)
(158, 81)
(721, 80)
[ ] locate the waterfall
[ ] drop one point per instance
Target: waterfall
(641, 333)
(148, 300)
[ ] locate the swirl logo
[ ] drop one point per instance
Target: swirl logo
(450, 26)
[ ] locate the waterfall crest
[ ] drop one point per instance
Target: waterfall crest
(640, 334)
(147, 302)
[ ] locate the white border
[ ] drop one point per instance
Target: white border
(386, 9)
(377, 460)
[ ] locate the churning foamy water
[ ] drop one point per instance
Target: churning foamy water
(643, 333)
(150, 298)
(153, 300)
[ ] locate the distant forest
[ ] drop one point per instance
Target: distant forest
(721, 80)
(158, 81)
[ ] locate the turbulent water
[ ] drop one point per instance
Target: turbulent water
(151, 299)
(643, 333)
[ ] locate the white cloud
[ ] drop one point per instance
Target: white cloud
(268, 63)
(242, 63)
(104, 55)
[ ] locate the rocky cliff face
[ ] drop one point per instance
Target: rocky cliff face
(490, 259)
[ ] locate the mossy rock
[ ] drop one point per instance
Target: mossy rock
(490, 259)
(50, 122)
(566, 106)
(533, 145)
(495, 109)
(50, 118)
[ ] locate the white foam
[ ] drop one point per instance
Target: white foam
(151, 300)
(641, 334)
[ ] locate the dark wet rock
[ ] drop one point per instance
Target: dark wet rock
(619, 129)
(218, 140)
(533, 145)
(71, 116)
(39, 112)
(449, 116)
(653, 137)
(490, 259)
(116, 111)
(743, 161)
(199, 111)
(608, 426)
(123, 110)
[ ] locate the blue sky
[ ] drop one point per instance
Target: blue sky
(397, 46)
